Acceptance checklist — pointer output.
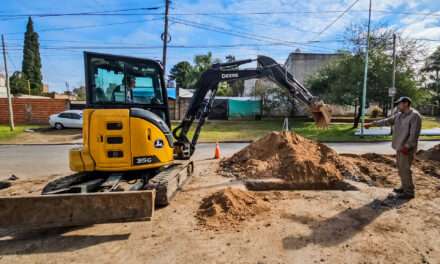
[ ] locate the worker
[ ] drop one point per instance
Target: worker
(129, 82)
(406, 125)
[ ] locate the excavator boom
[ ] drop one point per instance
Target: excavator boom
(200, 106)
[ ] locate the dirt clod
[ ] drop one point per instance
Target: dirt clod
(286, 156)
(230, 207)
(430, 154)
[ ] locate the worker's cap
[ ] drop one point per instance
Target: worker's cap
(403, 99)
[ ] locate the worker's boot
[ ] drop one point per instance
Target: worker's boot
(398, 190)
(405, 196)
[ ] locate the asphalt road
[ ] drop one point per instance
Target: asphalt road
(41, 160)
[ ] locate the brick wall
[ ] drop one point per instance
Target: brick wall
(31, 110)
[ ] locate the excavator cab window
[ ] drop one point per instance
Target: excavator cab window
(125, 82)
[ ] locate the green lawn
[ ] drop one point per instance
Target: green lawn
(251, 130)
(6, 133)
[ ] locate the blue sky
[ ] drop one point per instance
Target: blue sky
(290, 24)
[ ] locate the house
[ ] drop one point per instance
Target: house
(185, 95)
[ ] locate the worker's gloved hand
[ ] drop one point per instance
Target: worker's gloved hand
(368, 125)
(404, 150)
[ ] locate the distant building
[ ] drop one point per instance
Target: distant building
(45, 88)
(304, 65)
(301, 66)
(3, 92)
(71, 97)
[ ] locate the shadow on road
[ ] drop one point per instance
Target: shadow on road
(50, 241)
(341, 227)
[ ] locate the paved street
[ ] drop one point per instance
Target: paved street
(25, 161)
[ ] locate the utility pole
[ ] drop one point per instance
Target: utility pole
(364, 88)
(8, 90)
(393, 82)
(165, 36)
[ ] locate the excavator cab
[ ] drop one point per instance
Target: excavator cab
(126, 120)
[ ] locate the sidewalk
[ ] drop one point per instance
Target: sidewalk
(386, 131)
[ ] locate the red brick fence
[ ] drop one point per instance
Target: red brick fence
(32, 110)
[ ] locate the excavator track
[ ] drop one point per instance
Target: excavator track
(93, 198)
(170, 180)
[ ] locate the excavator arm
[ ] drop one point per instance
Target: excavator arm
(206, 89)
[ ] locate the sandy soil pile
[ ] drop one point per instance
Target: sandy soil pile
(430, 154)
(380, 170)
(229, 207)
(371, 168)
(287, 156)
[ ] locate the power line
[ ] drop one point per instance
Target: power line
(88, 26)
(89, 13)
(12, 62)
(337, 18)
(114, 13)
(303, 12)
(239, 34)
(18, 48)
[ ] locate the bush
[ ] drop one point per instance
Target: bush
(376, 111)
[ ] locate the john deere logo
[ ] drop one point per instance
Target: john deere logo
(158, 143)
(229, 75)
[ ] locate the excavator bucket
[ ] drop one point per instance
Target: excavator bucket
(322, 114)
(62, 210)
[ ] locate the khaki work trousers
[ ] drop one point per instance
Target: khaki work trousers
(404, 167)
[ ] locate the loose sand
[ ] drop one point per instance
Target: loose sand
(229, 207)
(286, 156)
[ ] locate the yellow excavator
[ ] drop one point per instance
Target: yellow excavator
(130, 159)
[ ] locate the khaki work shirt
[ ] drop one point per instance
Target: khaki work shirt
(406, 128)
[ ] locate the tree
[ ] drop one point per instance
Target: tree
(80, 92)
(432, 68)
(31, 66)
(181, 73)
(341, 81)
(201, 64)
(224, 89)
(187, 75)
(18, 84)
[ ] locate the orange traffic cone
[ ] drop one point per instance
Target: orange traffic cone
(217, 151)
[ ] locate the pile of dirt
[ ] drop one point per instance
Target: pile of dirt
(380, 170)
(430, 154)
(287, 156)
(230, 207)
(371, 168)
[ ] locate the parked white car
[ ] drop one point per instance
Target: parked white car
(66, 119)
